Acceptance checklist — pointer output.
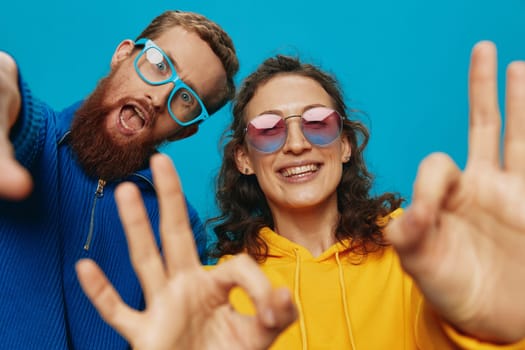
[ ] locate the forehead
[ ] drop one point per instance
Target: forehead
(288, 94)
(195, 61)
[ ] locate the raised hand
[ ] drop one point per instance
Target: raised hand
(186, 306)
(463, 237)
(15, 181)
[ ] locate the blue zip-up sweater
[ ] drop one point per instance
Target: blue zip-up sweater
(68, 216)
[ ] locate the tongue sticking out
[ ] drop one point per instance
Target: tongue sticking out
(130, 119)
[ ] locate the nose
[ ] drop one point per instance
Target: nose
(295, 141)
(158, 95)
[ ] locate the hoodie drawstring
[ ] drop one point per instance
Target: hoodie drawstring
(345, 302)
(302, 325)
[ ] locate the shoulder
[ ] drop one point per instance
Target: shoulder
(65, 118)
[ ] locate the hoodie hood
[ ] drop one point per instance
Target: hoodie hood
(280, 247)
(321, 287)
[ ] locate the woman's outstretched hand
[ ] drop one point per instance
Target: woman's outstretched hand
(463, 237)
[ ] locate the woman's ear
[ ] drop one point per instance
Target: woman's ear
(346, 148)
(122, 51)
(244, 165)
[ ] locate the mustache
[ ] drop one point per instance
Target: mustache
(99, 152)
(150, 112)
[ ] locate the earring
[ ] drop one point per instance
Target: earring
(246, 171)
(346, 159)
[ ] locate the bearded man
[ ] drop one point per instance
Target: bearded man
(59, 171)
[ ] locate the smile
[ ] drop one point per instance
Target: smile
(302, 170)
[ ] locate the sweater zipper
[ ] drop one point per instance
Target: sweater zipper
(98, 194)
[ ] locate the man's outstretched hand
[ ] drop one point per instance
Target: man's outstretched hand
(15, 181)
(187, 307)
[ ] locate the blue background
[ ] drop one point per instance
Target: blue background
(404, 63)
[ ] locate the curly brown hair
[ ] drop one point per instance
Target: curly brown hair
(241, 202)
(209, 31)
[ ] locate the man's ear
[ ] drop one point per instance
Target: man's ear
(122, 52)
(182, 133)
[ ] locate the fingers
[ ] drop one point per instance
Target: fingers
(275, 308)
(409, 234)
(485, 120)
(177, 239)
(143, 251)
(514, 159)
(15, 182)
(105, 299)
(267, 329)
(282, 311)
(244, 272)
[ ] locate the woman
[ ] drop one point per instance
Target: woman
(293, 194)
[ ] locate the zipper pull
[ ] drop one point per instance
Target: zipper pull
(100, 188)
(98, 193)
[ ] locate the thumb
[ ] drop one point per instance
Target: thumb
(413, 234)
(15, 180)
(274, 317)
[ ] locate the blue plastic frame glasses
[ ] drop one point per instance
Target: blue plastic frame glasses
(179, 86)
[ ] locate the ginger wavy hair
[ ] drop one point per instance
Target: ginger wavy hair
(241, 202)
(209, 31)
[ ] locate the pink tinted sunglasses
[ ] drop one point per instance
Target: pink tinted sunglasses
(320, 126)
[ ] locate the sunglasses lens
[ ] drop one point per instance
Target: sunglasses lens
(266, 132)
(321, 126)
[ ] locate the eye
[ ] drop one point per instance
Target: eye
(162, 67)
(158, 61)
(315, 124)
(268, 125)
(319, 118)
(186, 97)
(278, 129)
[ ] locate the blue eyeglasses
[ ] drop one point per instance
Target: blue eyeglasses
(155, 68)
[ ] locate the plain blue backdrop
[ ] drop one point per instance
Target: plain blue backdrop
(404, 63)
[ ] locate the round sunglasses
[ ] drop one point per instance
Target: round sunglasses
(320, 126)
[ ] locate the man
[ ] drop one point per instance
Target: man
(59, 171)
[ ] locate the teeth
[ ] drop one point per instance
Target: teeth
(299, 170)
(123, 122)
(132, 118)
(139, 113)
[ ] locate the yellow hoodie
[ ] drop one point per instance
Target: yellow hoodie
(345, 303)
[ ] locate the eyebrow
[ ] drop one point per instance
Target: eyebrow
(175, 64)
(177, 68)
(280, 113)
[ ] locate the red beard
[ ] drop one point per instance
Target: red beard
(98, 152)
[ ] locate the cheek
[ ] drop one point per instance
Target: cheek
(124, 82)
(334, 160)
(261, 163)
(165, 126)
(263, 167)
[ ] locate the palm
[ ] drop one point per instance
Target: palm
(478, 215)
(463, 237)
(213, 323)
